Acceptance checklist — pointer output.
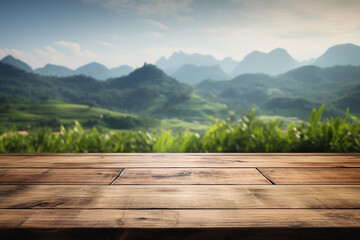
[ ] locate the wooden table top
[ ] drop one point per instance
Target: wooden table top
(180, 191)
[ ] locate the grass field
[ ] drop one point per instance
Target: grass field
(196, 109)
(53, 114)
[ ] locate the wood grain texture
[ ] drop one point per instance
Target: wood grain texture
(176, 160)
(180, 196)
(57, 176)
(192, 176)
(312, 175)
(241, 218)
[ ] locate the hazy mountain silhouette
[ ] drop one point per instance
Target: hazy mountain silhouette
(272, 63)
(343, 54)
(228, 64)
(192, 74)
(121, 71)
(177, 59)
(16, 63)
(54, 70)
(95, 70)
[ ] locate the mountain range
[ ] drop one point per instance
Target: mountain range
(150, 92)
(193, 68)
(275, 62)
(178, 59)
(94, 70)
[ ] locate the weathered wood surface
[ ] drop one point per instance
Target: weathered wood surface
(176, 161)
(313, 175)
(180, 196)
(191, 176)
(208, 218)
(58, 176)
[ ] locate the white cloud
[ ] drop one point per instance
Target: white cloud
(103, 43)
(75, 49)
(156, 24)
(156, 34)
(47, 51)
(14, 52)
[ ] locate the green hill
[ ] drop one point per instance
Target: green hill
(146, 91)
(297, 108)
(54, 70)
(325, 86)
(349, 97)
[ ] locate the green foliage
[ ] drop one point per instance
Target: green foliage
(248, 134)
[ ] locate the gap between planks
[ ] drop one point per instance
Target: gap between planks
(272, 183)
(120, 173)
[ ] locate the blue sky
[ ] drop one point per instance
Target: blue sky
(116, 32)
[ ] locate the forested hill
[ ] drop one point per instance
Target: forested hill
(336, 87)
(147, 91)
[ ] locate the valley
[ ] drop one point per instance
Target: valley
(197, 88)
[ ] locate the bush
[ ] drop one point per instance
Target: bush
(248, 134)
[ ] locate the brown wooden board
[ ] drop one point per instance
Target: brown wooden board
(58, 176)
(240, 218)
(178, 161)
(180, 196)
(191, 176)
(312, 175)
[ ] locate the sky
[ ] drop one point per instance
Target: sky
(116, 32)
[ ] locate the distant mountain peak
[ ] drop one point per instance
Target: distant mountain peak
(341, 54)
(180, 58)
(8, 57)
(275, 62)
(54, 70)
(16, 63)
(279, 51)
(95, 70)
(148, 68)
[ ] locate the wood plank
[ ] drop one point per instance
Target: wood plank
(182, 154)
(182, 233)
(191, 176)
(312, 175)
(240, 218)
(57, 176)
(180, 161)
(180, 196)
